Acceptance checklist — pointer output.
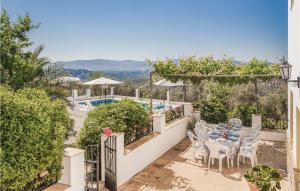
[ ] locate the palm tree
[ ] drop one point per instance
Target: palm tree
(41, 67)
(39, 62)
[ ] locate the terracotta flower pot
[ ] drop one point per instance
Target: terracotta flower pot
(252, 187)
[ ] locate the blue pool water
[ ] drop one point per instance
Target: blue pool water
(99, 102)
(157, 107)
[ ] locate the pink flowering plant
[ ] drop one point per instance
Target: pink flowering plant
(107, 131)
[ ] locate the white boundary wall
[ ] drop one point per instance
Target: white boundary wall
(294, 59)
(130, 164)
(73, 169)
(136, 160)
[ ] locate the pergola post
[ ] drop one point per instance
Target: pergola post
(151, 104)
(256, 93)
(184, 92)
(112, 91)
(168, 96)
(137, 93)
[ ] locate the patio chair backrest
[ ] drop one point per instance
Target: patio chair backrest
(258, 128)
(197, 125)
(197, 131)
(254, 133)
(202, 122)
(214, 148)
(191, 136)
(235, 121)
(202, 133)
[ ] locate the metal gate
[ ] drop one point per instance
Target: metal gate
(92, 168)
(110, 163)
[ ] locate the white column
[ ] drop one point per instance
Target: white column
(256, 120)
(73, 169)
(168, 97)
(103, 139)
(159, 123)
(137, 93)
(111, 91)
(120, 156)
(188, 109)
(88, 93)
(74, 95)
(196, 115)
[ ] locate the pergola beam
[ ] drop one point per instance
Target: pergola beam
(221, 76)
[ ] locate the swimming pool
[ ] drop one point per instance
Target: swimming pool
(93, 103)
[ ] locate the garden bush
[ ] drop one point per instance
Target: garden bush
(243, 112)
(212, 111)
(33, 128)
(125, 116)
(214, 106)
(173, 114)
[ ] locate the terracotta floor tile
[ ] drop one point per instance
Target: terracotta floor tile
(176, 171)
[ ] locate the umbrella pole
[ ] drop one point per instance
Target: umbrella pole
(105, 94)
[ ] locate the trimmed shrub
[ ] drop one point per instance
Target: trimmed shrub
(33, 128)
(212, 111)
(243, 112)
(125, 116)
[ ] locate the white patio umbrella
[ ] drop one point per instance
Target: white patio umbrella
(103, 82)
(169, 84)
(66, 79)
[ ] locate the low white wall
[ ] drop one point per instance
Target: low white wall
(76, 97)
(73, 169)
(272, 136)
(136, 160)
(130, 164)
(265, 134)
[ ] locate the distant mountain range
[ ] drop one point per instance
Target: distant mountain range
(117, 69)
(117, 75)
(110, 65)
(106, 65)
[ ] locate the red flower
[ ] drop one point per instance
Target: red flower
(107, 131)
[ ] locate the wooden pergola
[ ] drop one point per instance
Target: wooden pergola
(255, 79)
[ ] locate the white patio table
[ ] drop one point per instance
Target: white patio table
(231, 143)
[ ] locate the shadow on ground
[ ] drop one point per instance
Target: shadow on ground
(176, 171)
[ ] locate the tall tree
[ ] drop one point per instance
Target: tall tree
(19, 67)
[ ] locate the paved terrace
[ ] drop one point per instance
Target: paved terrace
(175, 171)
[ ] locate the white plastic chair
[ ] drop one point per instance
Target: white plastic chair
(255, 129)
(235, 122)
(252, 137)
(216, 149)
(248, 150)
(202, 129)
(201, 133)
(198, 146)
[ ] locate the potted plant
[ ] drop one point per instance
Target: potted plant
(263, 178)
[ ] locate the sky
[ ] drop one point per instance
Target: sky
(156, 29)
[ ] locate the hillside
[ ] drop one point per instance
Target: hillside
(117, 75)
(106, 65)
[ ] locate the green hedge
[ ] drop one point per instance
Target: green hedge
(243, 112)
(33, 128)
(124, 116)
(212, 111)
